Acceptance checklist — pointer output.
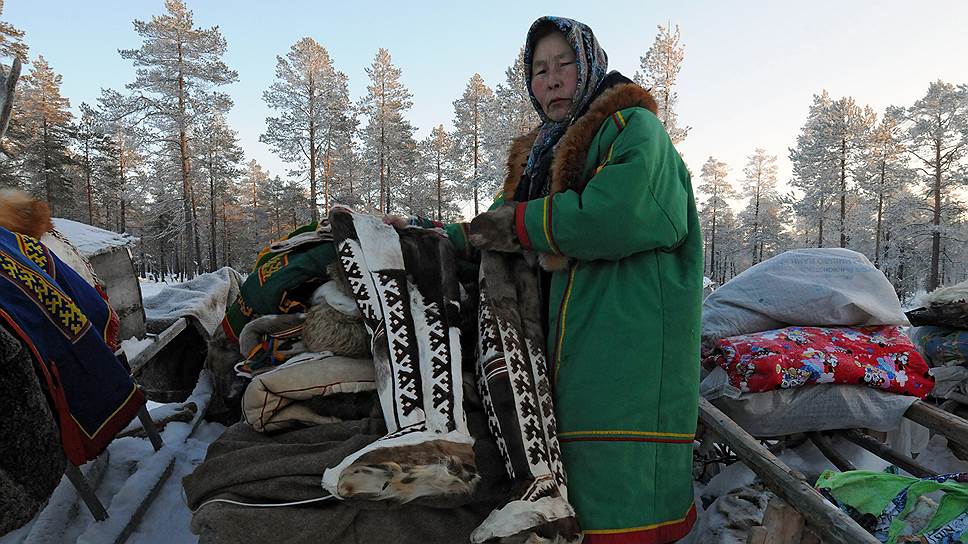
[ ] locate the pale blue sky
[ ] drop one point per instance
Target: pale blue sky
(750, 71)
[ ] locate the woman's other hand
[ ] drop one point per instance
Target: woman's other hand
(494, 230)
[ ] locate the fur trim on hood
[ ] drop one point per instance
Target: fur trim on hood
(569, 161)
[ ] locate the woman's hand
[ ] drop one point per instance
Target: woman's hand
(494, 230)
(396, 221)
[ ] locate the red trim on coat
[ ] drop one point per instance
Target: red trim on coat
(660, 535)
(519, 226)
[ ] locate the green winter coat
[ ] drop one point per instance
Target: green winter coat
(621, 233)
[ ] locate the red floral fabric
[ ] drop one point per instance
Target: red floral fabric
(880, 357)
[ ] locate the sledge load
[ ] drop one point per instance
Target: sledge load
(371, 389)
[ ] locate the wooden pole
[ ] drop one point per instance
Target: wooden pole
(939, 421)
(827, 449)
(835, 526)
(874, 446)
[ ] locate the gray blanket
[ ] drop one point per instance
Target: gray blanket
(248, 466)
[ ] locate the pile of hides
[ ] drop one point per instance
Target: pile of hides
(247, 466)
(805, 330)
(262, 327)
(895, 508)
(941, 326)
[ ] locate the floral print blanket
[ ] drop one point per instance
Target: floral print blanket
(881, 357)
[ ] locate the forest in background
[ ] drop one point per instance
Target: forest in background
(159, 159)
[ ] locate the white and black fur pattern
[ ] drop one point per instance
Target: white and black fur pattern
(409, 304)
(516, 393)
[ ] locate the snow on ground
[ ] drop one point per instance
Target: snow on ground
(90, 240)
(132, 469)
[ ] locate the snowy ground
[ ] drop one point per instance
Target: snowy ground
(131, 470)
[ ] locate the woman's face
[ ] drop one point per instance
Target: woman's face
(554, 75)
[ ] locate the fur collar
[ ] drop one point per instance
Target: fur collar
(569, 161)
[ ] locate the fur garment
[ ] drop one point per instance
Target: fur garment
(328, 329)
(20, 212)
(494, 230)
(568, 165)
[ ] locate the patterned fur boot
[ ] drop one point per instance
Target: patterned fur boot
(406, 289)
(516, 392)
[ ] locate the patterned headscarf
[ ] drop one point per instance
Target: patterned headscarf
(591, 63)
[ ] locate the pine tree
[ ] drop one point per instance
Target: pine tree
(513, 113)
(937, 137)
(46, 119)
(815, 168)
(178, 66)
(222, 163)
(759, 185)
(315, 121)
(717, 189)
(660, 70)
(384, 105)
(11, 40)
(470, 113)
(126, 154)
(884, 173)
(441, 171)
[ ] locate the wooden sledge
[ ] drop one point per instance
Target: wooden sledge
(828, 521)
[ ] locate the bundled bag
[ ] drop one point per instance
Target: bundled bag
(895, 508)
(881, 357)
(941, 346)
(810, 287)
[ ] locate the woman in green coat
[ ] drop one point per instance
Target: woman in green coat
(599, 191)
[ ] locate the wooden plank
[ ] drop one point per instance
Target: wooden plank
(86, 492)
(162, 340)
(143, 507)
(828, 450)
(881, 450)
(939, 421)
(150, 429)
(836, 527)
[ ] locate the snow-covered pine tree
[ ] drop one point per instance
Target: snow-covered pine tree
(315, 116)
(470, 114)
(716, 188)
(221, 159)
(384, 105)
(46, 119)
(759, 185)
(179, 66)
(90, 146)
(660, 70)
(815, 170)
(937, 137)
(512, 112)
(441, 172)
(883, 172)
(849, 127)
(126, 153)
